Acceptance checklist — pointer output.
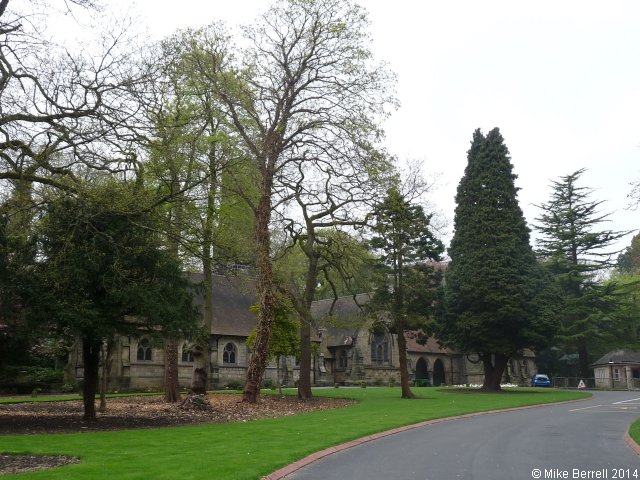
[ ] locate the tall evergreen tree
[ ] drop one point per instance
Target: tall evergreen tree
(403, 236)
(494, 286)
(575, 251)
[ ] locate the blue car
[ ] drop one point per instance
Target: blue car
(540, 380)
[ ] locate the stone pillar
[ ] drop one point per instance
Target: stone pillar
(628, 377)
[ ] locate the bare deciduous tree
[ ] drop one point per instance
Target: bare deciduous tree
(329, 193)
(63, 112)
(306, 88)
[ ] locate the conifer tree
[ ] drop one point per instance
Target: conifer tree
(494, 286)
(575, 251)
(405, 239)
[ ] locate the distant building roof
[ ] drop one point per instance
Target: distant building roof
(348, 308)
(431, 346)
(340, 318)
(232, 298)
(619, 356)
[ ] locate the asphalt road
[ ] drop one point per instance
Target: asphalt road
(573, 440)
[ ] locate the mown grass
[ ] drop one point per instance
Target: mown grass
(634, 431)
(253, 449)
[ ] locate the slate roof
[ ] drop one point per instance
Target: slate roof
(619, 356)
(430, 347)
(232, 297)
(344, 307)
(341, 323)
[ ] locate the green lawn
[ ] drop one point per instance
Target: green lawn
(253, 449)
(634, 431)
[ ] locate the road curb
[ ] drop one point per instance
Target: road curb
(314, 457)
(632, 443)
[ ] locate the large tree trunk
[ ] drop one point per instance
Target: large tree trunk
(200, 377)
(91, 359)
(398, 320)
(494, 365)
(304, 311)
(201, 348)
(267, 299)
(304, 380)
(404, 372)
(278, 379)
(171, 381)
(583, 358)
(106, 352)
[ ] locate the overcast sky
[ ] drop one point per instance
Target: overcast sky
(561, 79)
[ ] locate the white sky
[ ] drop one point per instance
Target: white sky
(561, 79)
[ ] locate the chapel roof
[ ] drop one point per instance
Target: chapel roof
(232, 299)
(431, 346)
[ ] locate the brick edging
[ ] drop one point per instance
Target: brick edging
(632, 443)
(314, 457)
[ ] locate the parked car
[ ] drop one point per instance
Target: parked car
(540, 380)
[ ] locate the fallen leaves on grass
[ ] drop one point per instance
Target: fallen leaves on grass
(10, 464)
(137, 412)
(140, 412)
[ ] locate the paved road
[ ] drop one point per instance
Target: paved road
(556, 439)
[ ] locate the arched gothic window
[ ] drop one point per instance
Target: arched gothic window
(379, 349)
(144, 350)
(187, 355)
(229, 354)
(342, 359)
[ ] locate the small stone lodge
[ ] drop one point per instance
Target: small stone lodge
(348, 350)
(618, 369)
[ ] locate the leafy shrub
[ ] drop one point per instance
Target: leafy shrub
(234, 385)
(268, 383)
(26, 379)
(69, 388)
(45, 376)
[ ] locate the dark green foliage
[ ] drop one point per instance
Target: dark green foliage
(617, 317)
(574, 251)
(284, 340)
(403, 232)
(234, 385)
(104, 271)
(495, 296)
(405, 300)
(17, 254)
(25, 379)
(629, 260)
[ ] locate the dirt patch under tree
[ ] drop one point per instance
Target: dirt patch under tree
(136, 412)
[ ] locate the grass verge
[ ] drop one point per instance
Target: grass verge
(634, 431)
(253, 449)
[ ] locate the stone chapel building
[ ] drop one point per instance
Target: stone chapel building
(348, 350)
